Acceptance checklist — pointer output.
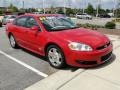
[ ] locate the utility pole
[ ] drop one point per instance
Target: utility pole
(43, 6)
(99, 3)
(114, 8)
(23, 3)
(65, 7)
(84, 5)
(69, 3)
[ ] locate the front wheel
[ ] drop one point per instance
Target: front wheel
(55, 57)
(12, 41)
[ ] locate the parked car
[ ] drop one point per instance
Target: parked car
(104, 16)
(8, 18)
(83, 16)
(58, 38)
(37, 12)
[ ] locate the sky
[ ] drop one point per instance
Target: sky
(58, 3)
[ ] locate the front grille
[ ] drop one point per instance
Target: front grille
(86, 62)
(103, 58)
(104, 46)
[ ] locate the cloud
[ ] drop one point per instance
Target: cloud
(49, 3)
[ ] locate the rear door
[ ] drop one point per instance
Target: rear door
(20, 30)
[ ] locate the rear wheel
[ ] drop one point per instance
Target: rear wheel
(13, 42)
(55, 57)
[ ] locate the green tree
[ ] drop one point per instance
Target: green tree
(60, 11)
(90, 9)
(13, 8)
(117, 12)
(101, 11)
(1, 11)
(108, 10)
(29, 10)
(52, 10)
(69, 12)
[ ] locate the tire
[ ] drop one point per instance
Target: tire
(55, 57)
(13, 42)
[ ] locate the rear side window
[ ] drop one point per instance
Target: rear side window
(20, 21)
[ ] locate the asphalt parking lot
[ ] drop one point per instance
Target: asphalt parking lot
(20, 68)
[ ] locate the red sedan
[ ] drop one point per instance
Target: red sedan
(60, 40)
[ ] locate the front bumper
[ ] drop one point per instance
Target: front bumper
(89, 59)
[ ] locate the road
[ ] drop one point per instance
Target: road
(20, 68)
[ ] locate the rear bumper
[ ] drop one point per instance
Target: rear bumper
(89, 59)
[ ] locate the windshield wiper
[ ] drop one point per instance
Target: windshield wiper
(61, 29)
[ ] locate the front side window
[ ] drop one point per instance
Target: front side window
(55, 23)
(31, 22)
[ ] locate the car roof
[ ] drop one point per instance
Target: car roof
(39, 15)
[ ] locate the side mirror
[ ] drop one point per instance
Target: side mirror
(34, 28)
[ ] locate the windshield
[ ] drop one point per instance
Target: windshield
(55, 23)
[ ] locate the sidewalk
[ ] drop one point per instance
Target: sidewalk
(104, 77)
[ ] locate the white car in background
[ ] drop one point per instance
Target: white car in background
(37, 13)
(83, 16)
(8, 18)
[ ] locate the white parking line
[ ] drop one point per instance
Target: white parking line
(24, 64)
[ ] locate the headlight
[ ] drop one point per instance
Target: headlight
(79, 46)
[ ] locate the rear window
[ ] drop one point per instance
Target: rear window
(13, 17)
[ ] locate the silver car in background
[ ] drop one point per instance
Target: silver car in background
(7, 19)
(83, 16)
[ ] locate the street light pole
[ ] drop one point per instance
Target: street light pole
(99, 2)
(23, 4)
(44, 6)
(84, 5)
(64, 6)
(114, 7)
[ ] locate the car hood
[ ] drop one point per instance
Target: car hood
(82, 35)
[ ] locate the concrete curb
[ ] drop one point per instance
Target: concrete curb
(56, 80)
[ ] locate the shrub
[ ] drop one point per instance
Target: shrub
(91, 26)
(116, 20)
(110, 25)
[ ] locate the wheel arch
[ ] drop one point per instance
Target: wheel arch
(63, 54)
(52, 43)
(9, 34)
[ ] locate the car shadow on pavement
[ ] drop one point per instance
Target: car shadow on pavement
(34, 54)
(71, 68)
